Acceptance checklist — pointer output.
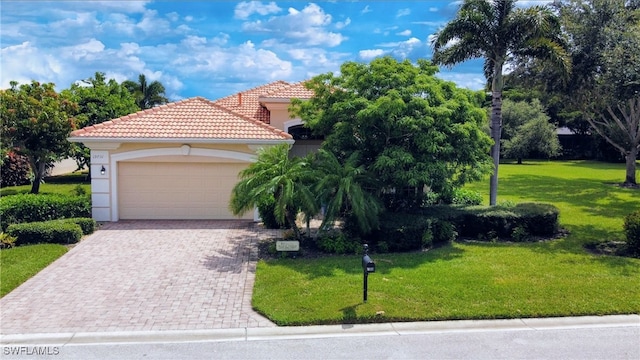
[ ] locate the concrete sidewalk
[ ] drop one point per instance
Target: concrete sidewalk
(326, 331)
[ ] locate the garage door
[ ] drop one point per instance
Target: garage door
(176, 190)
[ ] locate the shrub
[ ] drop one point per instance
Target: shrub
(443, 231)
(15, 170)
(402, 231)
(537, 218)
(23, 208)
(57, 232)
(466, 197)
(88, 225)
(338, 243)
(7, 241)
(502, 221)
(632, 232)
(266, 209)
(520, 234)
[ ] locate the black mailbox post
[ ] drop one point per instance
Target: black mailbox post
(368, 266)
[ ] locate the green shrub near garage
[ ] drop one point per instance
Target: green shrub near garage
(25, 208)
(88, 225)
(52, 232)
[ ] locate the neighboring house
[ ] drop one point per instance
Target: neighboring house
(181, 160)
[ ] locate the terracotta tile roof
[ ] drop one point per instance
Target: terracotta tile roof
(191, 118)
(246, 102)
(296, 90)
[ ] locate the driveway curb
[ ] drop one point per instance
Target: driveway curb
(324, 331)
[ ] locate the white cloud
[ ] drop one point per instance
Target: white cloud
(433, 9)
(151, 24)
(370, 54)
(403, 12)
(366, 9)
(529, 3)
(25, 62)
(343, 24)
(306, 27)
(87, 51)
(247, 8)
(471, 81)
(404, 33)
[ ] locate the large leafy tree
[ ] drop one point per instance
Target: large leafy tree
(35, 121)
(98, 101)
(497, 31)
(147, 94)
(527, 130)
(410, 129)
(608, 90)
(276, 177)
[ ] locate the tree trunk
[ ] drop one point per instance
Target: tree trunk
(38, 174)
(294, 226)
(496, 128)
(632, 156)
(519, 161)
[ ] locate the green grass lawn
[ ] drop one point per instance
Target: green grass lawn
(62, 184)
(478, 280)
(20, 263)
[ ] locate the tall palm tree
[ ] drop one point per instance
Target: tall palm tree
(147, 95)
(341, 187)
(275, 175)
(497, 31)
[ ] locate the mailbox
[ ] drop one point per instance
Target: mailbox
(368, 265)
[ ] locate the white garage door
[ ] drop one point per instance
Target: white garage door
(176, 190)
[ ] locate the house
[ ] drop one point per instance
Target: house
(181, 160)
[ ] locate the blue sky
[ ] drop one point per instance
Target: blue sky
(215, 48)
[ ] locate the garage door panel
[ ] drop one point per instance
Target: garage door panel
(176, 190)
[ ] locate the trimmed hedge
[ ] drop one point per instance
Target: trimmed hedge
(24, 208)
(87, 225)
(55, 232)
(632, 232)
(408, 232)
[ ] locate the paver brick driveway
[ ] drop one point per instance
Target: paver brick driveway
(144, 275)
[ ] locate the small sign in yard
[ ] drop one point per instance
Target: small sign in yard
(287, 245)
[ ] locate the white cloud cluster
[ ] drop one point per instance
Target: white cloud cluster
(307, 26)
(247, 8)
(200, 53)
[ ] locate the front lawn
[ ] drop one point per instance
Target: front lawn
(21, 263)
(68, 184)
(478, 280)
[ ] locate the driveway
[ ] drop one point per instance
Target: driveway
(144, 275)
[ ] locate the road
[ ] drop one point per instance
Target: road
(551, 341)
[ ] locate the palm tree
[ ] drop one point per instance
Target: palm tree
(147, 95)
(276, 175)
(341, 189)
(497, 31)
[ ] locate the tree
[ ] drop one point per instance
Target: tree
(411, 130)
(342, 189)
(147, 95)
(527, 130)
(36, 123)
(275, 175)
(497, 31)
(611, 104)
(98, 101)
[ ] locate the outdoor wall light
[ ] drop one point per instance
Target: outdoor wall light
(102, 170)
